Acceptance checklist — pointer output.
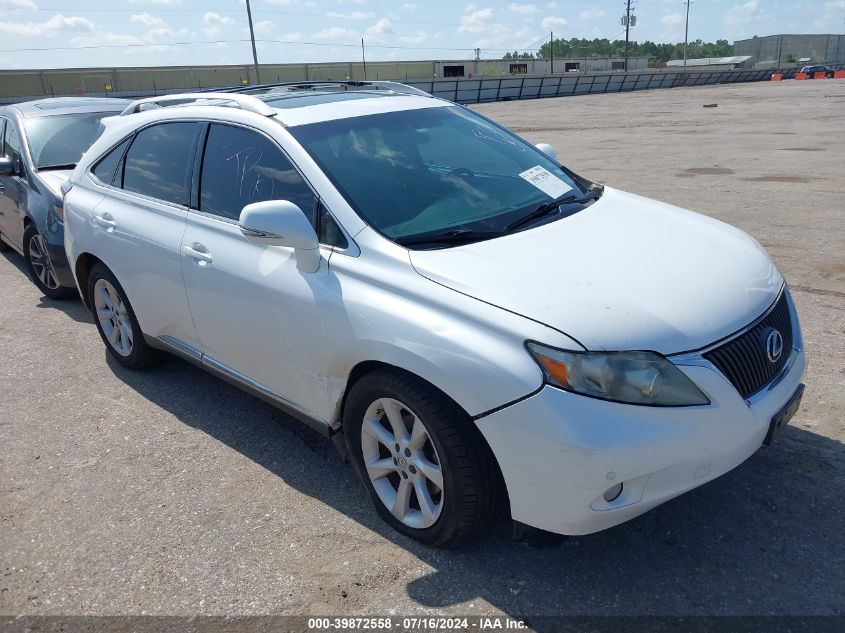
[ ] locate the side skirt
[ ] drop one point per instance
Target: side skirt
(195, 357)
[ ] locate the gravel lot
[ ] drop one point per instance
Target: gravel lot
(170, 492)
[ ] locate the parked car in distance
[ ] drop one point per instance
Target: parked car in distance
(40, 144)
(818, 68)
(464, 316)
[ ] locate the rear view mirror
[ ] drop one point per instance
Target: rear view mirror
(282, 223)
(7, 167)
(548, 150)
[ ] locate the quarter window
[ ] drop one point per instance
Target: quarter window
(241, 167)
(13, 147)
(158, 161)
(107, 168)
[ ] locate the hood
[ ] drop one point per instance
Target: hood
(54, 178)
(626, 273)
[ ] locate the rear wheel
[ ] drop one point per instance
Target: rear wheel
(116, 321)
(41, 268)
(424, 463)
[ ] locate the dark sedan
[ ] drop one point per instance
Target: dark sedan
(40, 144)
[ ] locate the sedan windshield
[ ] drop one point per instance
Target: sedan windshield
(60, 140)
(442, 172)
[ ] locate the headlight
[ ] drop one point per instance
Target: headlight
(629, 377)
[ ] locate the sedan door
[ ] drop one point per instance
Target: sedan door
(13, 190)
(257, 316)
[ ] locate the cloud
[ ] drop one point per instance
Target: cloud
(155, 2)
(382, 27)
(554, 22)
(12, 5)
(477, 21)
(742, 14)
(589, 14)
(523, 9)
(214, 23)
(57, 24)
(265, 26)
(672, 19)
(335, 33)
(420, 38)
(355, 15)
(552, 6)
(150, 21)
(409, 6)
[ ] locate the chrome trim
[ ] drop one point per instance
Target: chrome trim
(696, 358)
(211, 363)
(184, 349)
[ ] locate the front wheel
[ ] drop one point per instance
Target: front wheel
(41, 268)
(424, 463)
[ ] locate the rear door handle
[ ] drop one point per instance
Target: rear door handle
(197, 252)
(106, 221)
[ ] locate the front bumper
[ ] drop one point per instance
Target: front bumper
(559, 452)
(58, 258)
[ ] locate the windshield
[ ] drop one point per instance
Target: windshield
(419, 172)
(60, 141)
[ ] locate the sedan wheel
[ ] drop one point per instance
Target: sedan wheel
(402, 463)
(40, 262)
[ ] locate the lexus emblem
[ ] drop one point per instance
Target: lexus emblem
(774, 346)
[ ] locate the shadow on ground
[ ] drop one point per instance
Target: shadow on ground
(765, 538)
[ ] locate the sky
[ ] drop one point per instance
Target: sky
(90, 33)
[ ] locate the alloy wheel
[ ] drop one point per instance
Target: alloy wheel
(402, 463)
(41, 264)
(113, 317)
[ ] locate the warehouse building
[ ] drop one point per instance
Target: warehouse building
(19, 84)
(777, 51)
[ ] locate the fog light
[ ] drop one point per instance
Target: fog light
(612, 494)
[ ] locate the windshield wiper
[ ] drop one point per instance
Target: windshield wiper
(67, 166)
(451, 237)
(556, 206)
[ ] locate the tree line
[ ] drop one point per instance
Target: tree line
(602, 47)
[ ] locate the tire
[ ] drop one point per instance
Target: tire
(41, 268)
(117, 324)
(470, 482)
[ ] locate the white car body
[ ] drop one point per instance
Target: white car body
(627, 273)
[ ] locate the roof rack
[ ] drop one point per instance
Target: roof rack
(245, 102)
(300, 86)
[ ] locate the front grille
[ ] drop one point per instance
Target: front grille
(744, 360)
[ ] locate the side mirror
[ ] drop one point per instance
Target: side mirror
(548, 150)
(282, 223)
(7, 167)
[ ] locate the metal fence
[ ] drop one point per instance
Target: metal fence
(488, 89)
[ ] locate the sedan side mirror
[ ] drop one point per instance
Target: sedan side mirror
(282, 223)
(548, 150)
(7, 167)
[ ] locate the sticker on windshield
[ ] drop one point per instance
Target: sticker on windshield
(545, 181)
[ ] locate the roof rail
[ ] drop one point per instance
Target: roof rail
(245, 102)
(295, 86)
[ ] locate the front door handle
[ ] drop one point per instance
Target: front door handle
(197, 252)
(106, 221)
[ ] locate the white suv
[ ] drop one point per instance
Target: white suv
(467, 317)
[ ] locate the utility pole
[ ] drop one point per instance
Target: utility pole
(252, 39)
(627, 31)
(686, 35)
(364, 59)
(552, 49)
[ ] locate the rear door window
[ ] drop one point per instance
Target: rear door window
(158, 163)
(241, 167)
